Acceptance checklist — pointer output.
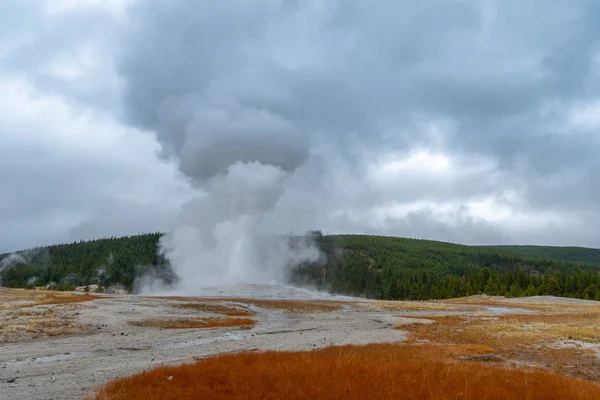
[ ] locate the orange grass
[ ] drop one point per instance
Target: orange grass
(286, 305)
(525, 329)
(19, 298)
(218, 309)
(194, 323)
(297, 306)
(375, 372)
(65, 298)
(526, 339)
(27, 314)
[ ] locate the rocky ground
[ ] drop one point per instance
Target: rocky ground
(100, 341)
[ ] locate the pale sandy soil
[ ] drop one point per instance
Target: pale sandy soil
(101, 343)
(109, 346)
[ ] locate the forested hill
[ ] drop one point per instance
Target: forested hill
(397, 268)
(574, 254)
(372, 266)
(107, 262)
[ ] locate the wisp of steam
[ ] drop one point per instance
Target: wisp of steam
(210, 111)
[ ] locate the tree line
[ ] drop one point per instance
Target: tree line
(361, 265)
(396, 268)
(105, 262)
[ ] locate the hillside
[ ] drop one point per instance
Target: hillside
(572, 254)
(108, 262)
(372, 266)
(398, 268)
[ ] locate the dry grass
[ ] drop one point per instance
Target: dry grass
(583, 325)
(297, 306)
(386, 305)
(194, 323)
(510, 329)
(64, 298)
(17, 298)
(444, 320)
(375, 372)
(216, 308)
(523, 302)
(34, 322)
(29, 314)
(526, 339)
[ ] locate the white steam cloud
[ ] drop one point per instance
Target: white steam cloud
(236, 148)
(218, 239)
(24, 257)
(13, 259)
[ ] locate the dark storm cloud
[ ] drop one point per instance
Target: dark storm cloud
(352, 66)
(357, 75)
(332, 90)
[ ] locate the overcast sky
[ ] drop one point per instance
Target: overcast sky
(472, 121)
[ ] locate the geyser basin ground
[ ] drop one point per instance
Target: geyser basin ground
(101, 341)
(262, 291)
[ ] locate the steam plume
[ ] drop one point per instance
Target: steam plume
(223, 128)
(24, 257)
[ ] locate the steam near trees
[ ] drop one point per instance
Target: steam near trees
(106, 262)
(371, 266)
(395, 268)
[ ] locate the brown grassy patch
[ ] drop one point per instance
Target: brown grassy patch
(33, 322)
(387, 305)
(583, 325)
(511, 328)
(65, 298)
(297, 306)
(423, 321)
(17, 298)
(530, 303)
(217, 309)
(525, 339)
(194, 323)
(27, 314)
(383, 371)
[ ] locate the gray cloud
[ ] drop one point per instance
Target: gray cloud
(352, 67)
(451, 120)
(362, 77)
(66, 176)
(68, 53)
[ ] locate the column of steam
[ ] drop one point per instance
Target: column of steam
(217, 110)
(238, 158)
